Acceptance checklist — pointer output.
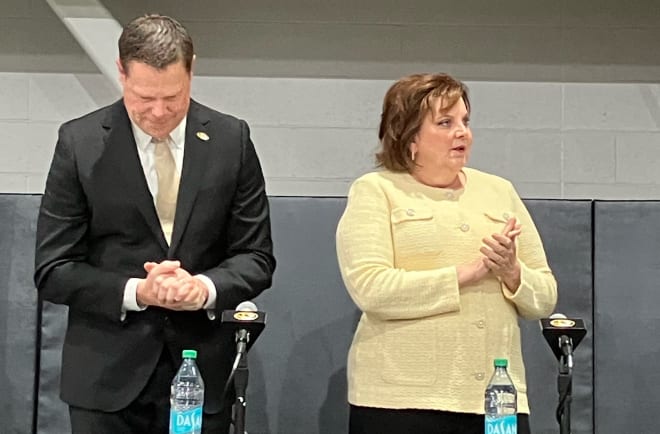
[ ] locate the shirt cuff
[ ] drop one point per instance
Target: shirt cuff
(213, 294)
(130, 296)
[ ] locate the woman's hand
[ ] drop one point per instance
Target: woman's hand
(500, 254)
(472, 272)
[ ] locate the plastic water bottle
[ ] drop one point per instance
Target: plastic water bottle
(501, 402)
(187, 397)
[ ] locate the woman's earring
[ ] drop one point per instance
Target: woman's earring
(412, 154)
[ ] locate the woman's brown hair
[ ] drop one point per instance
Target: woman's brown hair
(405, 104)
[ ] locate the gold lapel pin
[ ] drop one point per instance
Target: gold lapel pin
(202, 135)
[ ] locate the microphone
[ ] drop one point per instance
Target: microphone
(242, 335)
(246, 322)
(563, 335)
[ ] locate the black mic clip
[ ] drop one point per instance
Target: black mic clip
(566, 345)
(242, 340)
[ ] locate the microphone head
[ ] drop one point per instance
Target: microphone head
(555, 315)
(557, 326)
(246, 306)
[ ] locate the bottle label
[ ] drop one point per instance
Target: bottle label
(502, 424)
(186, 422)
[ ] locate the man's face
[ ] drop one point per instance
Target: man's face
(156, 99)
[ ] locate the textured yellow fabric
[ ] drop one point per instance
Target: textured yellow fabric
(423, 342)
(168, 186)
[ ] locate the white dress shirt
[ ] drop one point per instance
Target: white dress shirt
(145, 148)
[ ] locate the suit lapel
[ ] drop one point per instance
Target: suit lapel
(195, 159)
(120, 145)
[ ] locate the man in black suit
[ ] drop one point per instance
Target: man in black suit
(153, 221)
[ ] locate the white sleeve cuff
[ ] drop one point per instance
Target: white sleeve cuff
(130, 297)
(213, 293)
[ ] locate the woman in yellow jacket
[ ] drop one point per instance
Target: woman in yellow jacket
(441, 259)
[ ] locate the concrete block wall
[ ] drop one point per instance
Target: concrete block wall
(566, 100)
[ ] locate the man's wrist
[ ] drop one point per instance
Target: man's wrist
(211, 292)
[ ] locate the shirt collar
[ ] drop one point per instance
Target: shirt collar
(177, 136)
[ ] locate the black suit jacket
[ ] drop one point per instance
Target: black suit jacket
(97, 226)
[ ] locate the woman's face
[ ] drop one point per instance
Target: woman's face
(444, 139)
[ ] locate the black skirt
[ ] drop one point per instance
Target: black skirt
(369, 420)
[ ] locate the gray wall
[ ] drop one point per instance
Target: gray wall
(18, 313)
(626, 315)
(565, 93)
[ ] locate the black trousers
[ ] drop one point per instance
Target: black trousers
(148, 414)
(368, 420)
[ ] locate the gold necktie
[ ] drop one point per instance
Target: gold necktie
(168, 186)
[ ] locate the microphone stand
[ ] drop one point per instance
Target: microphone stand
(565, 385)
(240, 385)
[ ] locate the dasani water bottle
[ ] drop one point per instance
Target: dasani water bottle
(187, 397)
(501, 402)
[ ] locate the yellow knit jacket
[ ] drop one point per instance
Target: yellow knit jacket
(422, 342)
